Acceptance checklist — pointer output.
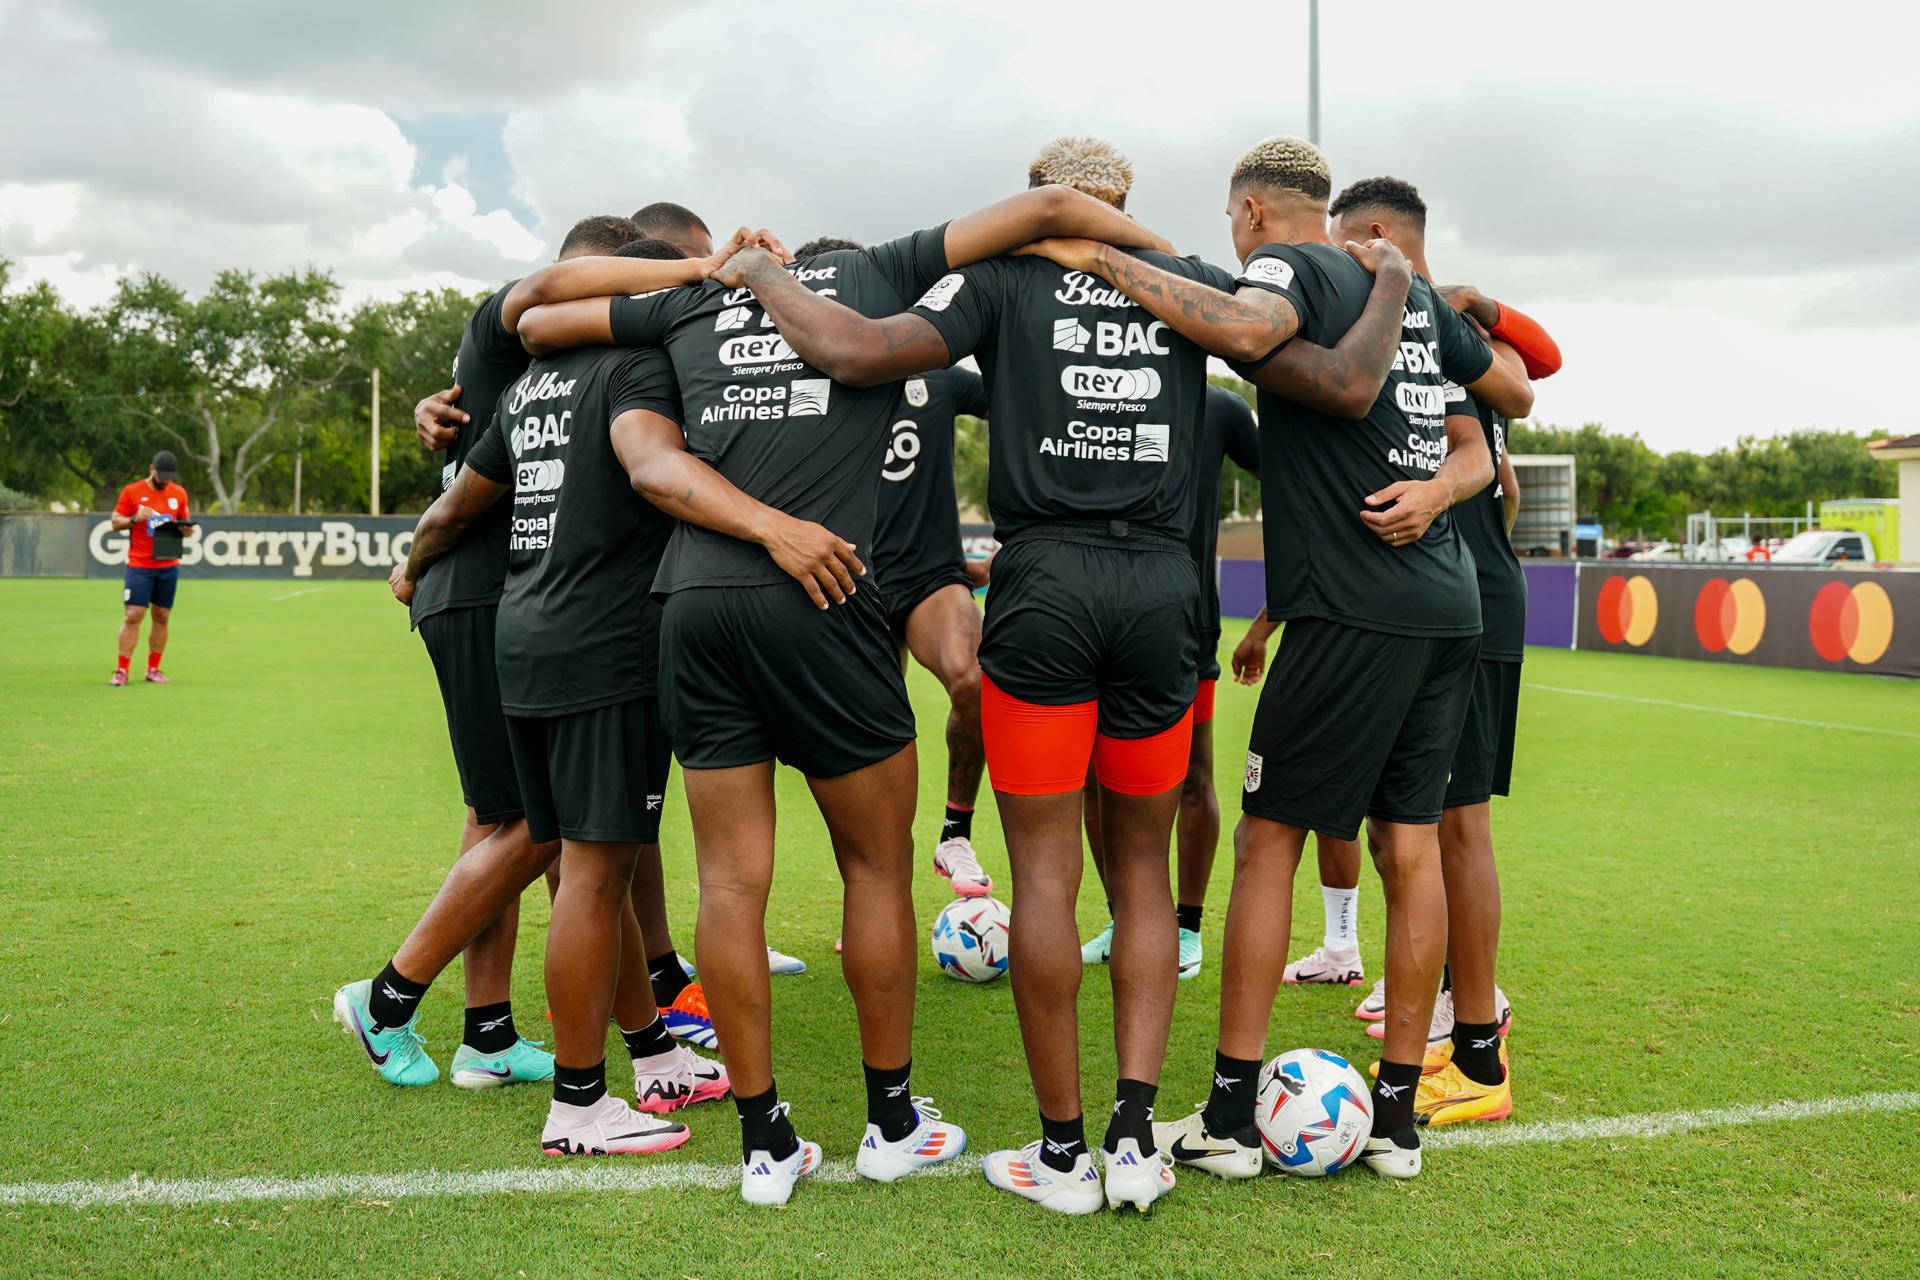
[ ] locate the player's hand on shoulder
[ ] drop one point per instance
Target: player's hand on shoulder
(741, 264)
(401, 584)
(1378, 256)
(1070, 252)
(436, 419)
(817, 558)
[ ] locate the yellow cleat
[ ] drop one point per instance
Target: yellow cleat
(1449, 1097)
(1437, 1057)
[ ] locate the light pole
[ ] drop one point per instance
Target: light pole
(1313, 72)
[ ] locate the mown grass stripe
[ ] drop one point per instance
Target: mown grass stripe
(1725, 711)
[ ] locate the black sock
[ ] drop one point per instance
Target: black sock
(1062, 1142)
(1393, 1097)
(1236, 1083)
(649, 1041)
(1446, 977)
(669, 979)
(1476, 1051)
(764, 1126)
(395, 999)
(1189, 916)
(490, 1028)
(1132, 1115)
(580, 1086)
(889, 1101)
(959, 824)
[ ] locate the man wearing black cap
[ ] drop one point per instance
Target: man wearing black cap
(153, 512)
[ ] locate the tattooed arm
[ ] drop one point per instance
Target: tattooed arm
(1346, 380)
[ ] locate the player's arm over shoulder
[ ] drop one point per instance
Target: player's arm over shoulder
(1493, 373)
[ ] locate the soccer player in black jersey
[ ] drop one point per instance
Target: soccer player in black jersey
(1467, 1075)
(1090, 646)
(454, 608)
(1363, 710)
(927, 583)
(753, 669)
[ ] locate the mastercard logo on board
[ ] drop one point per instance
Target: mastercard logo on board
(1730, 616)
(1626, 610)
(1851, 621)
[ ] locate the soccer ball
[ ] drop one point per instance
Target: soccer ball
(1314, 1112)
(970, 939)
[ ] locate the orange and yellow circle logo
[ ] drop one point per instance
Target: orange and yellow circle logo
(1626, 610)
(1851, 622)
(1730, 616)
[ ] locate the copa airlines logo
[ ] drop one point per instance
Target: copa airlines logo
(1150, 441)
(1078, 289)
(809, 398)
(901, 451)
(1274, 271)
(548, 386)
(758, 349)
(941, 295)
(542, 475)
(1096, 383)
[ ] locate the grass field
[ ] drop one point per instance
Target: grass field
(1704, 912)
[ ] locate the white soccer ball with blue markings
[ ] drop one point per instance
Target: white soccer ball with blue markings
(1314, 1112)
(970, 939)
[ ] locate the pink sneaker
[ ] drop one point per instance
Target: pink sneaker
(157, 676)
(1441, 1031)
(1374, 1007)
(955, 860)
(119, 680)
(1325, 965)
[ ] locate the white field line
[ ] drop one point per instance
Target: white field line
(575, 1177)
(305, 591)
(1725, 711)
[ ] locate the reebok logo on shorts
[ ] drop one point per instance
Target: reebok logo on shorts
(1254, 763)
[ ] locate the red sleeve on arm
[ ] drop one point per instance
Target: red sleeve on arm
(125, 506)
(1523, 333)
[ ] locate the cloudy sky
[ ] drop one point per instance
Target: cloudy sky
(1717, 215)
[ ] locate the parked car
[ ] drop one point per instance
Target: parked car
(1659, 551)
(1825, 546)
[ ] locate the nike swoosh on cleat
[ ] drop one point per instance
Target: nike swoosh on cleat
(1181, 1151)
(366, 1042)
(489, 1071)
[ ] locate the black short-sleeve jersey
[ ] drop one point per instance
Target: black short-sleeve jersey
(918, 534)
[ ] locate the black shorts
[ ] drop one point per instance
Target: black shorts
(155, 587)
(598, 774)
(911, 594)
(1210, 655)
(1113, 621)
(1483, 762)
(1355, 724)
(760, 673)
(460, 642)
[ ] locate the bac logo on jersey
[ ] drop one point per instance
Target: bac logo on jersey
(732, 318)
(539, 476)
(760, 349)
(1150, 442)
(808, 397)
(1096, 383)
(1273, 271)
(941, 295)
(1414, 397)
(1070, 335)
(917, 392)
(1254, 765)
(902, 449)
(1418, 357)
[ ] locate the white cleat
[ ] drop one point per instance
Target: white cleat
(956, 860)
(608, 1127)
(1023, 1172)
(1134, 1178)
(1374, 1007)
(1187, 1141)
(778, 962)
(764, 1180)
(1323, 964)
(933, 1141)
(677, 1078)
(1391, 1160)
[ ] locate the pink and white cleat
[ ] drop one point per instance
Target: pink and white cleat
(119, 680)
(1323, 964)
(677, 1078)
(607, 1127)
(1374, 1007)
(1441, 1031)
(157, 676)
(955, 860)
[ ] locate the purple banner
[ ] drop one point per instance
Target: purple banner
(1243, 588)
(1551, 593)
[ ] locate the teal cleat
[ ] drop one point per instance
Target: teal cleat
(1190, 954)
(1099, 947)
(525, 1063)
(399, 1054)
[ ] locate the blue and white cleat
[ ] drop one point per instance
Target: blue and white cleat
(524, 1063)
(778, 962)
(764, 1180)
(933, 1141)
(399, 1054)
(1134, 1177)
(1023, 1172)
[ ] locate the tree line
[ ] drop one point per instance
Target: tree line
(259, 371)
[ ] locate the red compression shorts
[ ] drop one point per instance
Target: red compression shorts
(1035, 750)
(1203, 703)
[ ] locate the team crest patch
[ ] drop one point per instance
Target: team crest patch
(1273, 271)
(1254, 763)
(917, 392)
(941, 295)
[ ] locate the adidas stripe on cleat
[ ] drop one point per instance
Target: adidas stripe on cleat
(764, 1180)
(933, 1141)
(1023, 1172)
(1135, 1177)
(608, 1127)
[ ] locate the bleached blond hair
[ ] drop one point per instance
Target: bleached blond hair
(1285, 164)
(1089, 165)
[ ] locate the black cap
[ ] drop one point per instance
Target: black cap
(165, 465)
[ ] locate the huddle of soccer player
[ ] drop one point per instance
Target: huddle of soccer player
(753, 452)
